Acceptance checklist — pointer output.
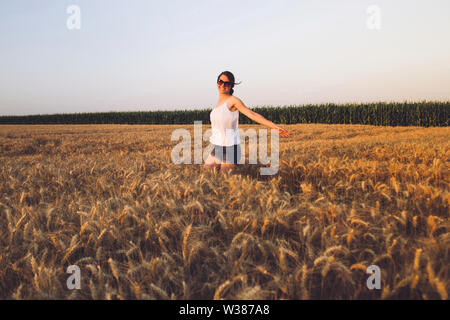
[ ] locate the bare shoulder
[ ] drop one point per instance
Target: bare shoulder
(233, 101)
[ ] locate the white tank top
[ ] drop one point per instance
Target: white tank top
(224, 126)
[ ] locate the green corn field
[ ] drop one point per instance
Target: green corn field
(423, 114)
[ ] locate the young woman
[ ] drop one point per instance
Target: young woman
(224, 120)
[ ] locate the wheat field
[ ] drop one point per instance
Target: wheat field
(108, 199)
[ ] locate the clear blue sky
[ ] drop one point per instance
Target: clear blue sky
(165, 55)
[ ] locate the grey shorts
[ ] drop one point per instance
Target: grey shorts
(230, 154)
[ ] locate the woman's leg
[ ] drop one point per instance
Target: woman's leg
(212, 163)
(227, 168)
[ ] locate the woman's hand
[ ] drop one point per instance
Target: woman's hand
(282, 132)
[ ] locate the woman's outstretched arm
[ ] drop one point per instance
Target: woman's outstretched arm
(257, 117)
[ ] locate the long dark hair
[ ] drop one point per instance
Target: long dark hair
(230, 77)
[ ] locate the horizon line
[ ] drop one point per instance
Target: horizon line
(257, 106)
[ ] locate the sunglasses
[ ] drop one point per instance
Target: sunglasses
(227, 83)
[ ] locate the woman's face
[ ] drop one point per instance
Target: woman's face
(224, 88)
